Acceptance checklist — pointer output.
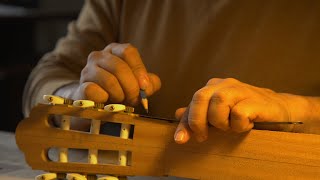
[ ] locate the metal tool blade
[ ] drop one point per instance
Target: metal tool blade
(257, 123)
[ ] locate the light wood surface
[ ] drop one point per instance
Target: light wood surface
(254, 155)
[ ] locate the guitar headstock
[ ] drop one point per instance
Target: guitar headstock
(36, 135)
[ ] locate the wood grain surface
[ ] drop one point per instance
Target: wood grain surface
(256, 154)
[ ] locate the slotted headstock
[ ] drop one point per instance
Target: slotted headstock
(35, 136)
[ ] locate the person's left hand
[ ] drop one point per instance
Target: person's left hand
(230, 105)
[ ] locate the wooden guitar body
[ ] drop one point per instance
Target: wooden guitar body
(253, 155)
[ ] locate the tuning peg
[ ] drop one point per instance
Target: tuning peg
(84, 103)
(88, 104)
(108, 178)
(118, 108)
(115, 107)
(47, 176)
(75, 176)
(53, 99)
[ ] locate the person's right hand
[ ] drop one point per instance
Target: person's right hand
(115, 75)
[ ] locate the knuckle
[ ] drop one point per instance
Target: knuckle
(85, 74)
(219, 97)
(200, 96)
(237, 113)
(94, 55)
(84, 71)
(138, 67)
(213, 81)
(113, 44)
(231, 80)
(109, 47)
(129, 50)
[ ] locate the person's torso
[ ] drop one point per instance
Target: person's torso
(272, 44)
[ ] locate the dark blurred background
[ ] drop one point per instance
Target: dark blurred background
(28, 29)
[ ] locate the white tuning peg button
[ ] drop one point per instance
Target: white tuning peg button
(53, 99)
(75, 176)
(115, 108)
(84, 103)
(47, 176)
(108, 178)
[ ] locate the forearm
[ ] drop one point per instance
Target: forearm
(305, 109)
(45, 78)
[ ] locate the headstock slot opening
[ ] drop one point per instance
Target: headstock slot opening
(105, 157)
(106, 128)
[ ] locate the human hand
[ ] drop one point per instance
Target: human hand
(116, 74)
(229, 105)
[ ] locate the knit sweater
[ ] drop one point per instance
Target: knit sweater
(272, 44)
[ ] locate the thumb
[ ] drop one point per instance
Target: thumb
(183, 131)
(92, 91)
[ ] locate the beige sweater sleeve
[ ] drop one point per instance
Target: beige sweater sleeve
(96, 26)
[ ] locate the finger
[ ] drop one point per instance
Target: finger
(155, 84)
(243, 115)
(104, 79)
(131, 56)
(198, 110)
(94, 92)
(221, 104)
(218, 114)
(124, 75)
(179, 112)
(183, 132)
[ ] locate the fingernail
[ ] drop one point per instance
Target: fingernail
(179, 136)
(143, 82)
